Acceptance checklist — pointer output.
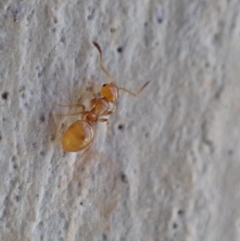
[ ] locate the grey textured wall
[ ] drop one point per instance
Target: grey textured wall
(168, 166)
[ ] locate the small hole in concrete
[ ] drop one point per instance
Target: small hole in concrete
(14, 158)
(63, 39)
(42, 118)
(121, 127)
(159, 20)
(120, 49)
(175, 226)
(104, 237)
(34, 145)
(180, 212)
(91, 15)
(112, 30)
(5, 95)
(124, 178)
(207, 65)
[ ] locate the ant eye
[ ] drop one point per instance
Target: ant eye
(104, 85)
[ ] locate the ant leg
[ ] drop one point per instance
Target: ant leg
(104, 120)
(109, 112)
(77, 113)
(74, 105)
(134, 94)
(101, 64)
(93, 93)
(86, 150)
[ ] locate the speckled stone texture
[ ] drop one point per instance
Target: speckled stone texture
(168, 167)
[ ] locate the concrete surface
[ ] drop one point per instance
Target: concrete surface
(168, 166)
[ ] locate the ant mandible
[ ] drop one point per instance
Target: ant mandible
(79, 135)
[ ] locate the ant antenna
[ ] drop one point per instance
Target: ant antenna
(134, 94)
(110, 77)
(101, 65)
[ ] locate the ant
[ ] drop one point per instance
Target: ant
(79, 135)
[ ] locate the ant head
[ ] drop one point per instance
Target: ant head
(110, 92)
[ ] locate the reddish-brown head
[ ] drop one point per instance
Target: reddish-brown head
(110, 92)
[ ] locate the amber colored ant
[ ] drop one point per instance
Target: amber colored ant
(79, 135)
